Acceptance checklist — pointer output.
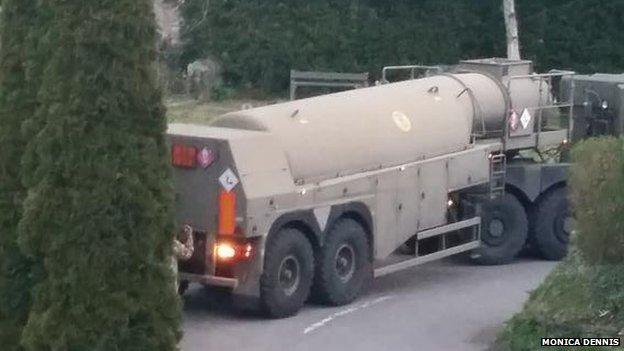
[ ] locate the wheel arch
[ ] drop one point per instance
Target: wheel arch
(358, 212)
(529, 181)
(305, 221)
(550, 189)
(531, 203)
(519, 194)
(302, 221)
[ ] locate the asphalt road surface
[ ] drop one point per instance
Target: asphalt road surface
(445, 305)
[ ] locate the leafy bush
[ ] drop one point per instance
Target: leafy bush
(597, 184)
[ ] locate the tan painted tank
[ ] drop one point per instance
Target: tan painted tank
(359, 130)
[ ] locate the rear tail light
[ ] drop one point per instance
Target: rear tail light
(225, 251)
(184, 156)
(229, 250)
(227, 212)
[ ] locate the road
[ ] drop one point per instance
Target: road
(445, 305)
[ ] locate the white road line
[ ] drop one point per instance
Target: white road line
(344, 312)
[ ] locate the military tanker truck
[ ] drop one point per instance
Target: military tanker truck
(314, 197)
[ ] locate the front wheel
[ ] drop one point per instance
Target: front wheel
(288, 272)
(504, 229)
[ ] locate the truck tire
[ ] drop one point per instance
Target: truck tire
(343, 267)
(288, 271)
(552, 225)
(504, 230)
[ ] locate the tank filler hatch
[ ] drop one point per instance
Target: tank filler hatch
(497, 67)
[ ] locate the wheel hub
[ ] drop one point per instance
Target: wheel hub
(288, 275)
(345, 262)
(496, 228)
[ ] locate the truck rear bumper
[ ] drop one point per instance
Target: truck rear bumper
(209, 280)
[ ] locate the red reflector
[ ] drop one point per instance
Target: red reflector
(184, 156)
(227, 212)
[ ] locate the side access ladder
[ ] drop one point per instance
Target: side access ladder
(498, 167)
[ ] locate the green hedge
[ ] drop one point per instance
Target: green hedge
(597, 187)
(258, 42)
(586, 36)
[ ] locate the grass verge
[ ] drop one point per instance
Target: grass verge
(565, 305)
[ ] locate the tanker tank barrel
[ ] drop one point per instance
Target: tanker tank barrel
(383, 126)
(391, 124)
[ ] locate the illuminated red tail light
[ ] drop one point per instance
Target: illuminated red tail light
(184, 156)
(231, 250)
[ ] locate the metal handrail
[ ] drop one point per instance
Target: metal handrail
(412, 68)
(566, 104)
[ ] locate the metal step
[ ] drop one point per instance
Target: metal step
(426, 258)
(449, 228)
(474, 223)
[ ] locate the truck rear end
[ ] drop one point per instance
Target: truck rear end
(211, 197)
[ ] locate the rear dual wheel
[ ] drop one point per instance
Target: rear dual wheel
(343, 267)
(288, 273)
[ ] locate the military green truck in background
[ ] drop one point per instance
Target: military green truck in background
(313, 197)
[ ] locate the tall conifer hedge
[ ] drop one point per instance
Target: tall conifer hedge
(17, 103)
(98, 205)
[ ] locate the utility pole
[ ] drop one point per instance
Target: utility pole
(511, 27)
